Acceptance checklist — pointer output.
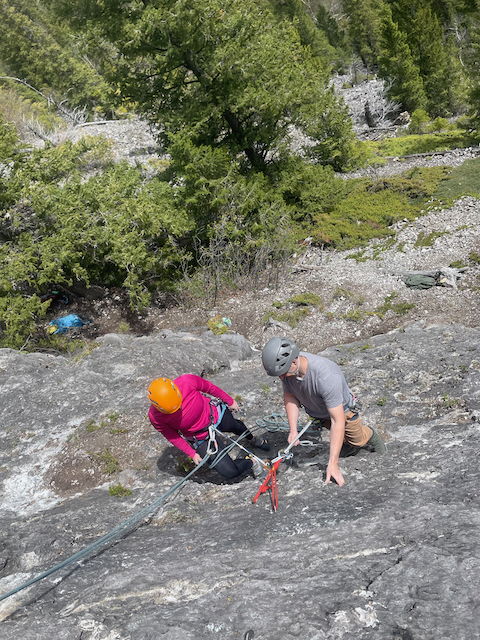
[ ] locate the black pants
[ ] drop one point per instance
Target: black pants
(227, 467)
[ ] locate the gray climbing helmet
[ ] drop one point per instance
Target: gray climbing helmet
(278, 355)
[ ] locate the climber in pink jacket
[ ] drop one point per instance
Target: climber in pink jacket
(182, 413)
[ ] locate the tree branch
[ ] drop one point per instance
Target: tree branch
(49, 99)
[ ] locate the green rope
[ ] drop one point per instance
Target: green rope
(278, 422)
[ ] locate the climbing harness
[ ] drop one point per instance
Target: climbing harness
(212, 447)
(270, 482)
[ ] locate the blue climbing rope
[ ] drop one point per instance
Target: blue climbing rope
(273, 422)
(122, 527)
(107, 537)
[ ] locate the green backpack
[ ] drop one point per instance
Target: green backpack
(420, 282)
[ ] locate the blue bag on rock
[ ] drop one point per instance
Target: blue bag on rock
(62, 325)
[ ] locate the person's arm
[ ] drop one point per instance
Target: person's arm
(205, 386)
(160, 422)
(337, 433)
(292, 407)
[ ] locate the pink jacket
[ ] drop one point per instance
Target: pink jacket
(193, 415)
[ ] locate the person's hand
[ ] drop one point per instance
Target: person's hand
(334, 472)
(197, 458)
(234, 406)
(291, 437)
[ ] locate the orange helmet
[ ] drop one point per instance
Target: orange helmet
(164, 394)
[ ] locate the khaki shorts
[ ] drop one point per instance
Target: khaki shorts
(356, 433)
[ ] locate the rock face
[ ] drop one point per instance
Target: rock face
(392, 554)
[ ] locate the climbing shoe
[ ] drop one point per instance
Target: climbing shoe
(259, 471)
(260, 443)
(377, 443)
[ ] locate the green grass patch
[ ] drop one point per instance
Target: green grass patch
(110, 464)
(400, 308)
(359, 256)
(306, 300)
(123, 327)
(290, 316)
(294, 309)
(119, 491)
(425, 143)
(428, 239)
(371, 207)
(474, 257)
(354, 315)
(463, 180)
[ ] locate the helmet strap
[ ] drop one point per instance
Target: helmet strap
(297, 372)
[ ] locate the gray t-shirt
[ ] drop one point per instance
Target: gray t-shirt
(323, 387)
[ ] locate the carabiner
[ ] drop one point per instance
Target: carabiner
(212, 447)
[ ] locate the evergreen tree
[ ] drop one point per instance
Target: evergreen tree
(329, 26)
(336, 37)
(33, 49)
(455, 78)
(58, 226)
(294, 11)
(220, 75)
(364, 28)
(433, 52)
(397, 64)
(427, 44)
(446, 10)
(426, 24)
(474, 66)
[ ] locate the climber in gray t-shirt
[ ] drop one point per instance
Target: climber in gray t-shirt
(319, 385)
(323, 386)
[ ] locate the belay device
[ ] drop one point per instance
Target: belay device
(270, 482)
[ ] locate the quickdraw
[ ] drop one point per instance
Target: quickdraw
(270, 482)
